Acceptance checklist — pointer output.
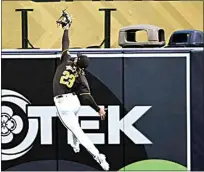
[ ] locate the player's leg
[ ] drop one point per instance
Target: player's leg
(70, 121)
(73, 105)
(67, 108)
(73, 139)
(73, 142)
(76, 143)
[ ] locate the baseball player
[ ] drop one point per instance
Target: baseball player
(71, 89)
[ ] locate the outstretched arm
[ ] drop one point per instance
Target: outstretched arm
(65, 45)
(65, 40)
(66, 23)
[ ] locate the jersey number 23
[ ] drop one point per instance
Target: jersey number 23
(67, 79)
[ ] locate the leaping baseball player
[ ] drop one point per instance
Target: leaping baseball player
(71, 89)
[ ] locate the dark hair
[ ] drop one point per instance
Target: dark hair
(83, 61)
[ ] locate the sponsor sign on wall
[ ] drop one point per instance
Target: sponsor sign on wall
(148, 117)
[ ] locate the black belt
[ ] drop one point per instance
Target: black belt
(60, 96)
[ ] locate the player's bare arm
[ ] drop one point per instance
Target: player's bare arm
(65, 21)
(65, 41)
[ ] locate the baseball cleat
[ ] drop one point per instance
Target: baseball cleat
(101, 159)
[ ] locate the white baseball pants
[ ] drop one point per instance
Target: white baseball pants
(67, 106)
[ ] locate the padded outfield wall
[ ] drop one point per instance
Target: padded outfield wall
(155, 110)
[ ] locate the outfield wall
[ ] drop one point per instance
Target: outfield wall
(155, 110)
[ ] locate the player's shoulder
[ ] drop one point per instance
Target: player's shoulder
(65, 56)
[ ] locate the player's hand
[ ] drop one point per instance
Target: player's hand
(102, 113)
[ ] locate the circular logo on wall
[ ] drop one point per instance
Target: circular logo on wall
(14, 122)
